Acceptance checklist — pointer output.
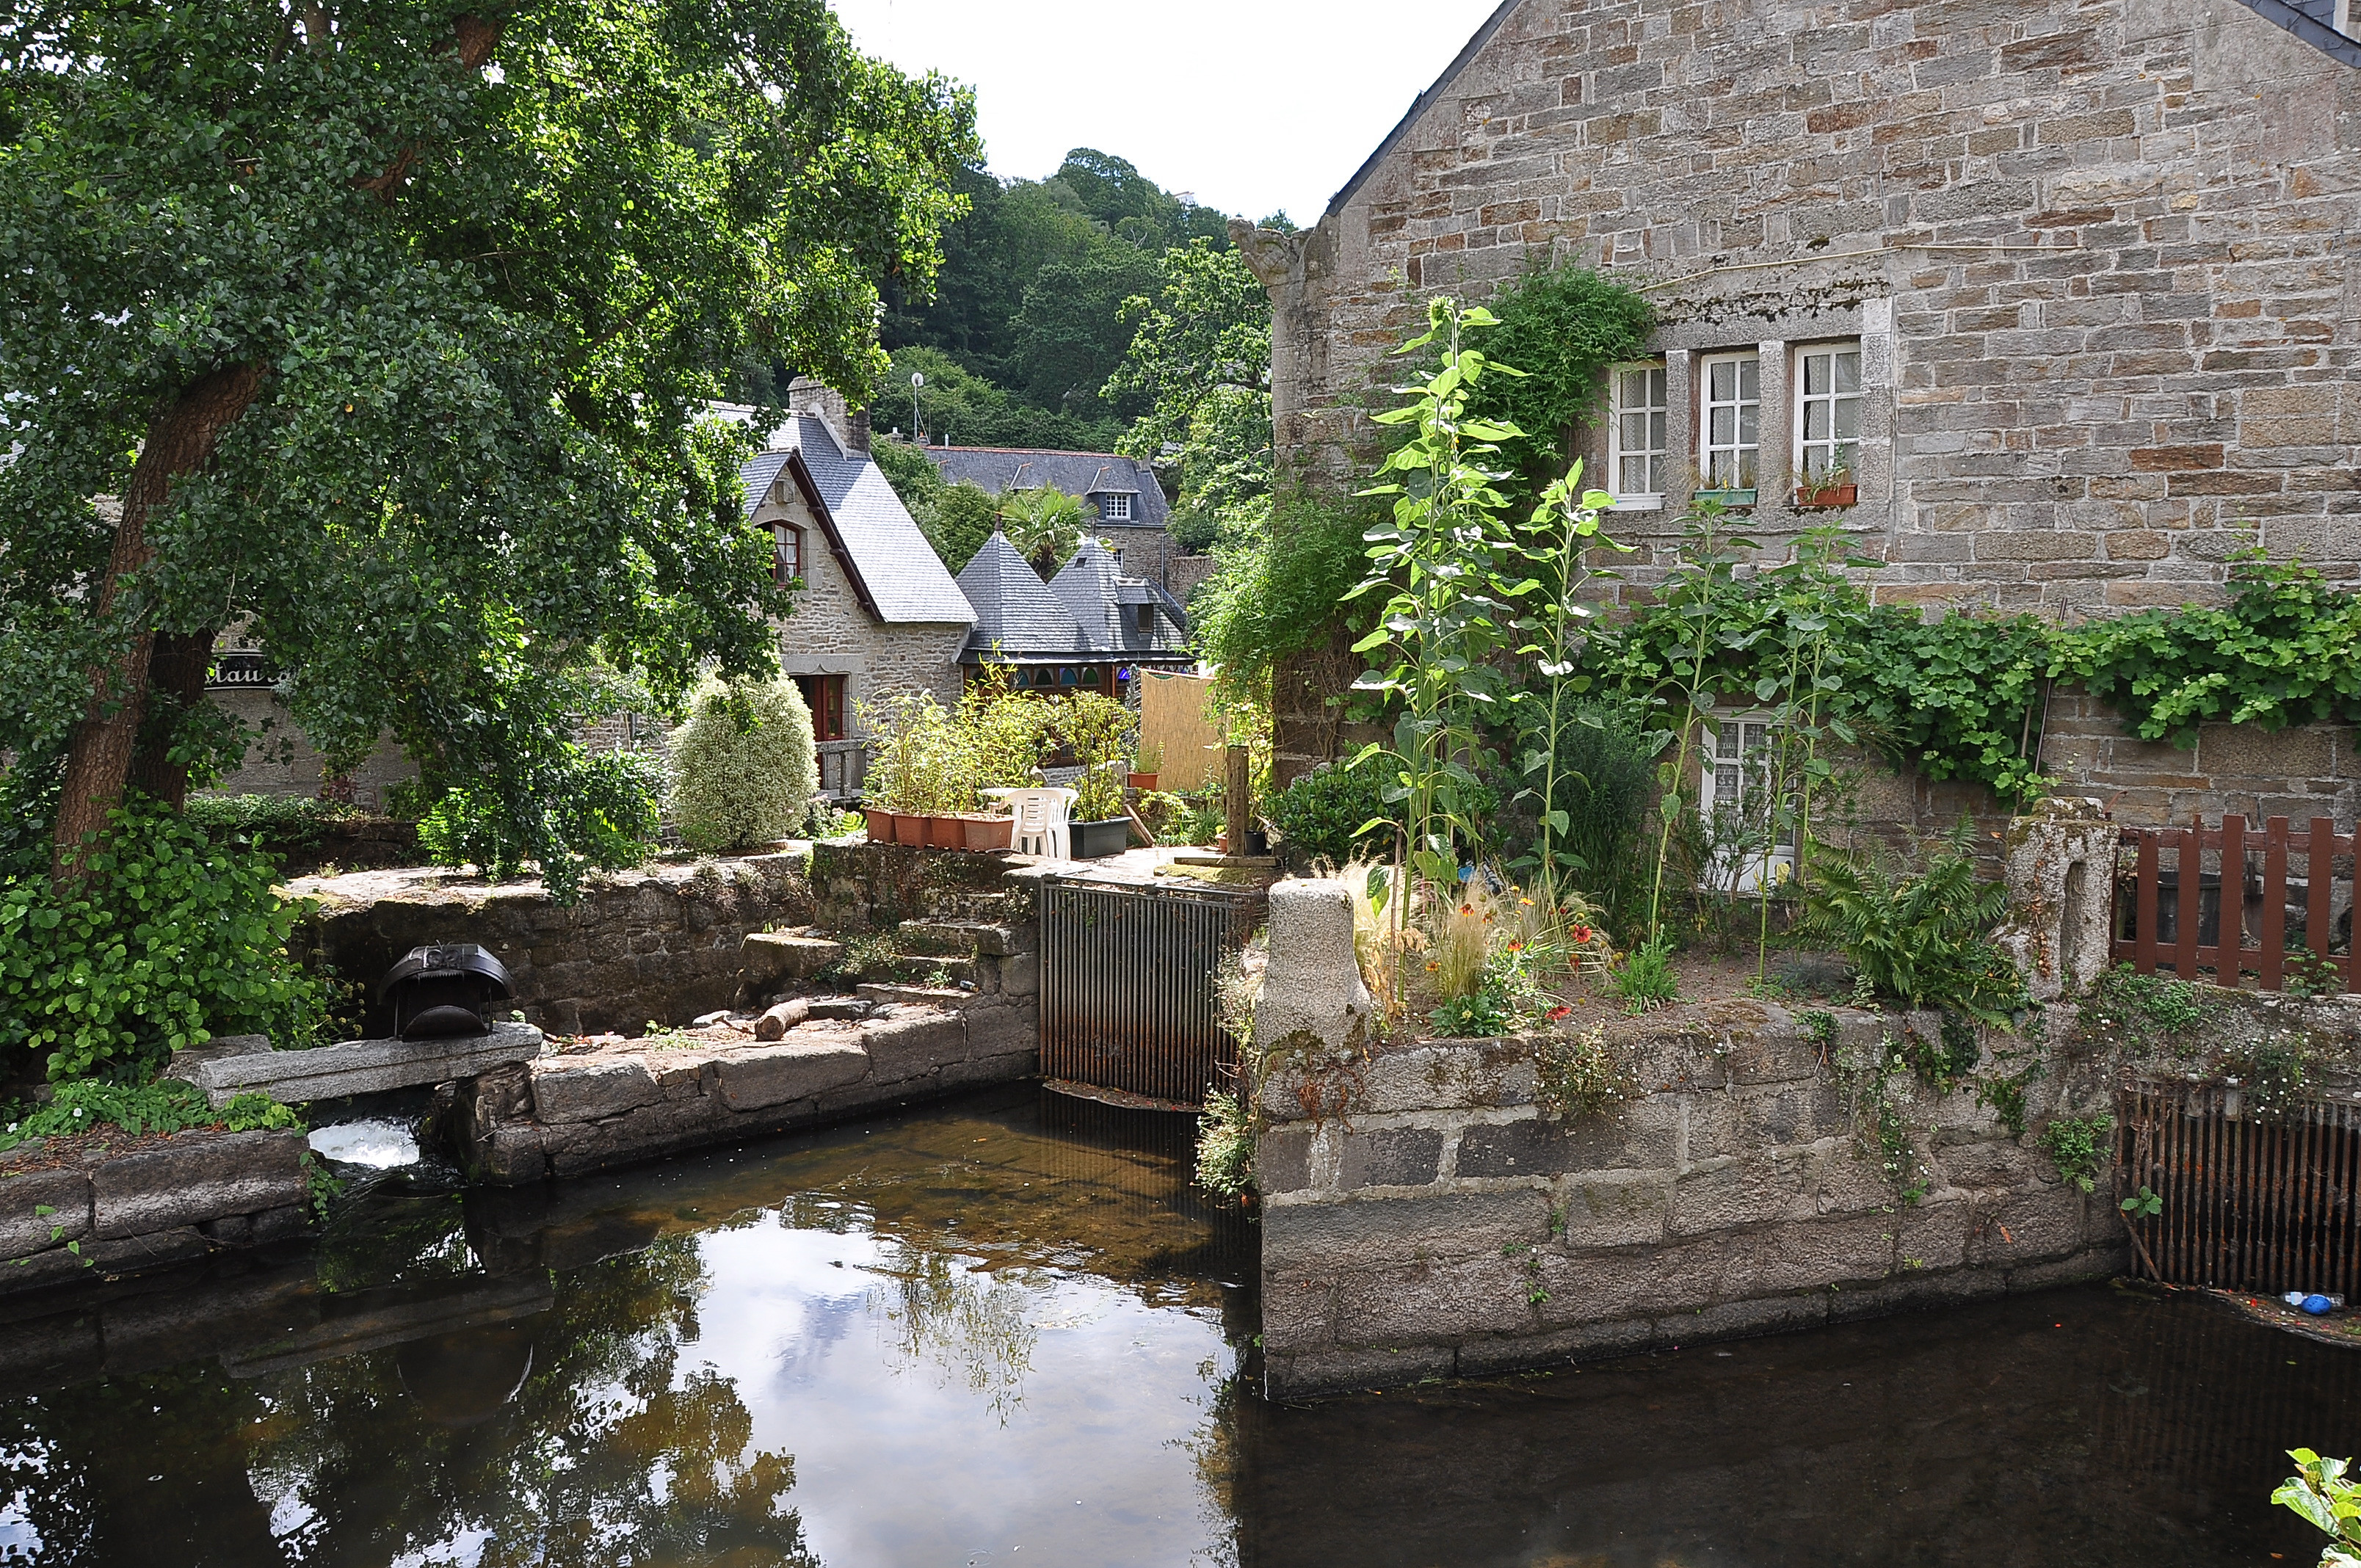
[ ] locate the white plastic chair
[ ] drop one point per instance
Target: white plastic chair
(1040, 819)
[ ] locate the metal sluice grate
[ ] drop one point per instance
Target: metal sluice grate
(2262, 1204)
(1129, 986)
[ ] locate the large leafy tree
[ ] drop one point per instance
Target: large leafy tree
(1199, 354)
(379, 330)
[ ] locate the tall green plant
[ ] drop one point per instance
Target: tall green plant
(1921, 939)
(1696, 598)
(1443, 570)
(1553, 542)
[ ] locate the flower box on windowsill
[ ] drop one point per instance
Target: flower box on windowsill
(1731, 498)
(1809, 496)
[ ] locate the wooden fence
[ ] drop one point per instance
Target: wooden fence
(2193, 897)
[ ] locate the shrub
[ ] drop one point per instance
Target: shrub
(2078, 1145)
(170, 940)
(607, 818)
(1319, 815)
(291, 821)
(745, 770)
(918, 764)
(1919, 940)
(1607, 780)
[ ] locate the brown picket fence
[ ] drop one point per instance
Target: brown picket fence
(2290, 919)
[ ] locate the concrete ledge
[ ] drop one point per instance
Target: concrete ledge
(358, 1067)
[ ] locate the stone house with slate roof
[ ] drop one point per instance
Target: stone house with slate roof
(1088, 630)
(878, 612)
(2069, 286)
(1120, 493)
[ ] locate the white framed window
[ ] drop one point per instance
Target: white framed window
(1114, 507)
(1754, 834)
(1729, 434)
(1827, 413)
(1638, 429)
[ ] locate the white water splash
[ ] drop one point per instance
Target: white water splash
(381, 1145)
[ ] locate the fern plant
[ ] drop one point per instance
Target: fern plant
(1921, 939)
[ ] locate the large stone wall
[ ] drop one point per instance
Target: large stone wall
(1444, 1224)
(657, 944)
(2093, 250)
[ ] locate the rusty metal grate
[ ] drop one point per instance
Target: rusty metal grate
(2254, 1203)
(1129, 978)
(2291, 892)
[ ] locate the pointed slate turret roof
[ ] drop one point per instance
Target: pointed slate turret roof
(1087, 587)
(1016, 616)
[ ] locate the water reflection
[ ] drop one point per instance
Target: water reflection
(953, 1339)
(996, 1333)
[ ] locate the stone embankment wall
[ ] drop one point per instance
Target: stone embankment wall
(1445, 1223)
(926, 916)
(657, 944)
(1434, 1208)
(163, 1202)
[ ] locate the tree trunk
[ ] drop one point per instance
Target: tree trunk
(180, 440)
(177, 666)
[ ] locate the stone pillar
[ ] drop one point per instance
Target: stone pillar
(2060, 871)
(1312, 981)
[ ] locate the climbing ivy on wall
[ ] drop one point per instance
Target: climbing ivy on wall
(1959, 697)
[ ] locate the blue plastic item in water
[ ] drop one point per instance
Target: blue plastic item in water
(2318, 1306)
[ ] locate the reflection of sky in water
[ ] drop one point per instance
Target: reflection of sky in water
(954, 1454)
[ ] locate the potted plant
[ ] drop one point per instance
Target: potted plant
(904, 778)
(1098, 730)
(1000, 734)
(1830, 486)
(1144, 768)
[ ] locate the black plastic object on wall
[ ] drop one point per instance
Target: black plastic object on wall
(445, 991)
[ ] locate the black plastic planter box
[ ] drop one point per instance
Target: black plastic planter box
(1090, 840)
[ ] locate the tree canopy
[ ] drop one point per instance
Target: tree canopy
(381, 331)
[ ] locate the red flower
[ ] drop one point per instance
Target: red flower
(1582, 933)
(1560, 1011)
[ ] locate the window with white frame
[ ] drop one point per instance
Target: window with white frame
(1754, 831)
(1827, 413)
(1115, 508)
(1729, 435)
(1638, 431)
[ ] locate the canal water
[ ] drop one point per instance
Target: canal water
(1003, 1331)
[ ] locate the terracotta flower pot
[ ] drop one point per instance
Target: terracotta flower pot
(1829, 496)
(880, 824)
(1141, 780)
(989, 832)
(946, 833)
(910, 830)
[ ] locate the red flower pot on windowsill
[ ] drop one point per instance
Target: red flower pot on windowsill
(1827, 495)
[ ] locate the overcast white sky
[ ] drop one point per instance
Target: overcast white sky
(1254, 105)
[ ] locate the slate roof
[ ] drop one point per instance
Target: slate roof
(2313, 21)
(1016, 615)
(906, 579)
(998, 468)
(1093, 588)
(1085, 613)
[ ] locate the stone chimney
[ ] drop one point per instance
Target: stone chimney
(856, 430)
(806, 396)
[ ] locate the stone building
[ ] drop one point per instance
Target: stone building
(1089, 629)
(1123, 502)
(2066, 288)
(878, 612)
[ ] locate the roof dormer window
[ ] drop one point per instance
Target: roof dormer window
(1114, 507)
